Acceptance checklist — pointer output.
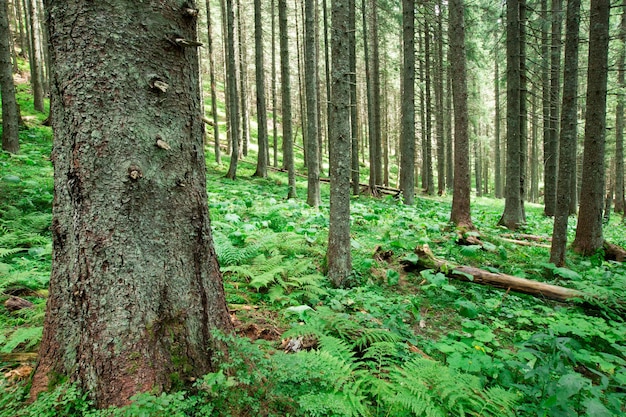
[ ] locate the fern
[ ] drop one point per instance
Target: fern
(6, 252)
(229, 254)
(29, 336)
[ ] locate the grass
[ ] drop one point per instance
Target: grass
(545, 358)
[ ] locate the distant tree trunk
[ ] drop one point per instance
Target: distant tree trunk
(20, 24)
(498, 146)
(13, 51)
(551, 153)
(534, 154)
(243, 80)
(427, 158)
(274, 88)
(10, 115)
(407, 137)
(545, 90)
(439, 111)
(478, 175)
(216, 127)
(263, 156)
(376, 135)
(523, 106)
(338, 256)
(370, 109)
(327, 70)
(286, 98)
(568, 135)
(299, 4)
(589, 227)
(354, 125)
(135, 290)
(36, 72)
(620, 202)
(513, 216)
(310, 74)
(231, 86)
(460, 214)
(449, 141)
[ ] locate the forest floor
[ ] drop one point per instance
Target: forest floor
(396, 340)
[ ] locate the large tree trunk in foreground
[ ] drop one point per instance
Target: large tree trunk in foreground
(509, 282)
(135, 291)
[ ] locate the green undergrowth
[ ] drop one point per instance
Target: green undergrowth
(394, 341)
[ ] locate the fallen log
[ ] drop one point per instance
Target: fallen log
(525, 243)
(427, 260)
(524, 236)
(613, 252)
(18, 357)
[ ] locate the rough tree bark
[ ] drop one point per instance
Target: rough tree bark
(310, 68)
(589, 227)
(460, 214)
(135, 290)
(354, 125)
(620, 202)
(338, 255)
(263, 155)
(231, 87)
(568, 134)
(286, 98)
(216, 127)
(10, 115)
(407, 137)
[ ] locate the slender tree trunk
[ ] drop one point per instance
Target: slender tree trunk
(231, 85)
(36, 73)
(534, 155)
(498, 146)
(327, 71)
(589, 227)
(407, 138)
(551, 154)
(10, 115)
(310, 74)
(274, 87)
(567, 140)
(338, 255)
(216, 127)
(460, 214)
(135, 289)
(620, 202)
(449, 140)
(354, 125)
(513, 216)
(286, 98)
(299, 4)
(439, 112)
(376, 134)
(523, 106)
(369, 89)
(243, 80)
(545, 90)
(263, 156)
(427, 165)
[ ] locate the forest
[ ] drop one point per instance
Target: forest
(312, 208)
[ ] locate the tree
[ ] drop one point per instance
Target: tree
(550, 156)
(135, 290)
(36, 71)
(232, 98)
(243, 79)
(589, 227)
(286, 98)
(460, 214)
(310, 74)
(10, 115)
(620, 202)
(407, 138)
(513, 216)
(376, 165)
(338, 255)
(354, 125)
(498, 147)
(568, 135)
(263, 156)
(216, 127)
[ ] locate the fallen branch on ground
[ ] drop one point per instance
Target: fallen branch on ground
(427, 260)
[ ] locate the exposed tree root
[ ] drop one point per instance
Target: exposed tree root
(613, 252)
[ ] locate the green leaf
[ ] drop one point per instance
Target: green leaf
(411, 257)
(567, 274)
(392, 277)
(470, 277)
(471, 250)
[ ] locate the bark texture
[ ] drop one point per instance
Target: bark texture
(310, 74)
(285, 74)
(10, 117)
(568, 135)
(338, 255)
(589, 227)
(513, 216)
(407, 137)
(620, 201)
(135, 291)
(460, 214)
(232, 97)
(263, 155)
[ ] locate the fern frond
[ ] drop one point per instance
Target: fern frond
(336, 347)
(6, 252)
(372, 336)
(29, 336)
